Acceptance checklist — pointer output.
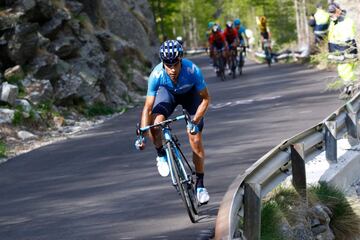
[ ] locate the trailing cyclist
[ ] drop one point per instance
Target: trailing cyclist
(265, 34)
(342, 47)
(208, 33)
(244, 42)
(232, 39)
(265, 37)
(177, 81)
(217, 42)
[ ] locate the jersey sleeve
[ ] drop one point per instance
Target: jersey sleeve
(153, 82)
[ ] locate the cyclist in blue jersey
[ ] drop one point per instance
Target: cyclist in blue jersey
(241, 33)
(177, 81)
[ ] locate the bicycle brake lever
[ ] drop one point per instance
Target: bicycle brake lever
(187, 116)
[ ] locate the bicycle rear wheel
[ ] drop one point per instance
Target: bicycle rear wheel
(268, 56)
(186, 188)
(221, 65)
(241, 62)
(233, 64)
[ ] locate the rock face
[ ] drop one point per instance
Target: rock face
(61, 58)
(131, 21)
(77, 51)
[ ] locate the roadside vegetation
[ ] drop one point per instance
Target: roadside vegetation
(2, 149)
(284, 207)
(345, 221)
(195, 15)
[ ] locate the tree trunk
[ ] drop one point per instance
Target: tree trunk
(195, 33)
(303, 35)
(297, 14)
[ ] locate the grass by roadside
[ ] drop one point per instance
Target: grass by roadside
(284, 208)
(345, 221)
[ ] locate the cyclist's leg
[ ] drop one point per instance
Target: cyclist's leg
(163, 107)
(191, 102)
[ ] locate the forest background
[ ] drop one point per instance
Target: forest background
(287, 19)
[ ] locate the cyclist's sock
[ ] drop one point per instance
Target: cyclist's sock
(160, 151)
(199, 180)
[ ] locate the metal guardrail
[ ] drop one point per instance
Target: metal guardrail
(242, 201)
(195, 51)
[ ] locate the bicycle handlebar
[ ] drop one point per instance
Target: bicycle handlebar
(186, 116)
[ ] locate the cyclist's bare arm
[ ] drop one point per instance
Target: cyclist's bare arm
(147, 110)
(226, 45)
(237, 41)
(201, 110)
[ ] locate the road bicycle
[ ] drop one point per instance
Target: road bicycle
(182, 174)
(220, 63)
(241, 58)
(232, 61)
(267, 51)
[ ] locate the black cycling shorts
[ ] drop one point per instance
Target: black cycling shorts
(265, 35)
(166, 102)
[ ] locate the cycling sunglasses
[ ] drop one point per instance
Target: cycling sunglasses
(172, 65)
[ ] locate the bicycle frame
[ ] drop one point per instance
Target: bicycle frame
(220, 62)
(267, 50)
(166, 132)
(180, 178)
(168, 138)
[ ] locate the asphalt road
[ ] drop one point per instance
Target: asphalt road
(97, 186)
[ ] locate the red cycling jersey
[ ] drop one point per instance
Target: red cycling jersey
(217, 39)
(230, 35)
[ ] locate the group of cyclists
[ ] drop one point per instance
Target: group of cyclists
(226, 41)
(234, 37)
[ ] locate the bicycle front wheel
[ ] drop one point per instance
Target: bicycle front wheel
(186, 188)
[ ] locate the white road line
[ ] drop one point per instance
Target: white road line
(242, 102)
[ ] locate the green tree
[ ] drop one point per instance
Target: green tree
(189, 18)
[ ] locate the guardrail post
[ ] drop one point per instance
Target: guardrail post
(252, 211)
(297, 157)
(330, 141)
(351, 121)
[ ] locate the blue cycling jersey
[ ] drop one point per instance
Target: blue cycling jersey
(241, 33)
(242, 30)
(190, 76)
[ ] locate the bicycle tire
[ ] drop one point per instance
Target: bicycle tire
(182, 186)
(233, 65)
(241, 63)
(221, 65)
(268, 56)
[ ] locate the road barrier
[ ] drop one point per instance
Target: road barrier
(242, 201)
(195, 51)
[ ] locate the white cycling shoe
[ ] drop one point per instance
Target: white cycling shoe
(163, 166)
(202, 195)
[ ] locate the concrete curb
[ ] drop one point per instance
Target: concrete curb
(342, 174)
